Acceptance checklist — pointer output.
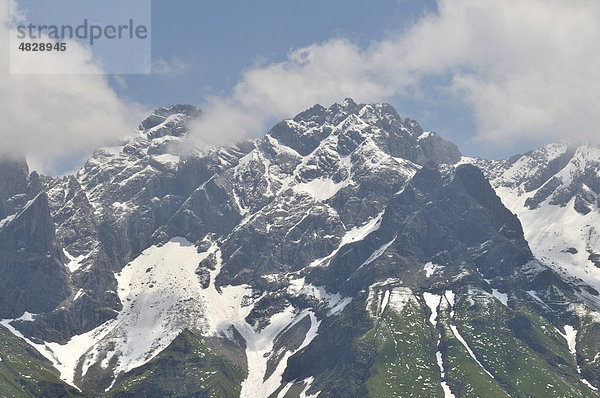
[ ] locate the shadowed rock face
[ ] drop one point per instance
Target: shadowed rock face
(14, 174)
(453, 219)
(31, 264)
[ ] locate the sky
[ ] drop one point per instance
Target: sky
(497, 77)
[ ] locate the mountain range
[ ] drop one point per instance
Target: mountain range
(345, 253)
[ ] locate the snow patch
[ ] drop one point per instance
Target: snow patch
(424, 135)
(450, 298)
(431, 268)
(587, 383)
(7, 220)
(258, 349)
(445, 387)
(78, 294)
(382, 295)
(74, 262)
(399, 297)
(166, 158)
(320, 188)
(503, 297)
(304, 394)
(433, 302)
(27, 317)
(386, 299)
(571, 336)
(159, 291)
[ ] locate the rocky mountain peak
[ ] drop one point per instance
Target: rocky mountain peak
(354, 123)
(14, 172)
(170, 120)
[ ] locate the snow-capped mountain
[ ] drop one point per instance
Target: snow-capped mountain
(345, 253)
(554, 192)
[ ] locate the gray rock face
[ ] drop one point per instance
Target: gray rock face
(33, 278)
(452, 219)
(31, 229)
(14, 176)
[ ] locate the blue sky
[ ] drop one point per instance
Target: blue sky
(217, 40)
(497, 78)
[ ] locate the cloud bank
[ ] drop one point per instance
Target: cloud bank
(529, 70)
(54, 118)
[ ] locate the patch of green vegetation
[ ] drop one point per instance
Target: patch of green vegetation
(588, 348)
(546, 340)
(186, 368)
(521, 350)
(464, 376)
(405, 364)
(26, 373)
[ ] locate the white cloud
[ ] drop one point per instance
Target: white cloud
(319, 73)
(51, 118)
(173, 67)
(528, 69)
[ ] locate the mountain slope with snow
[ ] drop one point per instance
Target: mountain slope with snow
(554, 192)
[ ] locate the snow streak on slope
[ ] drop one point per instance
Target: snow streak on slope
(354, 235)
(449, 297)
(570, 336)
(433, 302)
(471, 353)
(375, 255)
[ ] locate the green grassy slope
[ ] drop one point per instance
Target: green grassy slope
(26, 373)
(524, 354)
(186, 368)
